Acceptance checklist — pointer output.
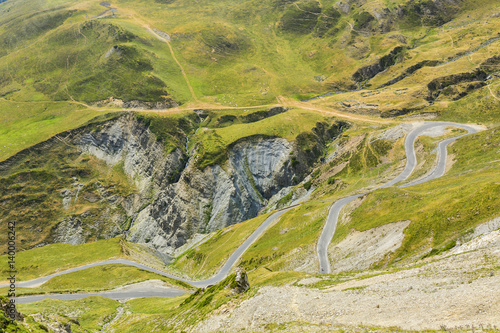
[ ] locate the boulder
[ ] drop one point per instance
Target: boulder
(241, 281)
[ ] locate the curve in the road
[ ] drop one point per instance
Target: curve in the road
(222, 274)
(322, 247)
(411, 162)
(116, 295)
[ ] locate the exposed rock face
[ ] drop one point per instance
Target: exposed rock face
(204, 201)
(131, 142)
(167, 210)
(167, 197)
(367, 72)
(9, 310)
(241, 281)
(70, 231)
(66, 195)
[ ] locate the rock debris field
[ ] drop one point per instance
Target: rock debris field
(451, 291)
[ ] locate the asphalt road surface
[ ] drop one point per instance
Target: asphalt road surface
(222, 274)
(411, 162)
(324, 241)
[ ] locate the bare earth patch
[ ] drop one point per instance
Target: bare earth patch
(458, 291)
(361, 249)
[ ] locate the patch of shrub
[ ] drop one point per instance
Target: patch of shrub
(363, 20)
(326, 21)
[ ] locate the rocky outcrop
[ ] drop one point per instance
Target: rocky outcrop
(165, 103)
(161, 196)
(456, 86)
(9, 310)
(453, 85)
(241, 283)
(368, 72)
(132, 143)
(344, 7)
(168, 210)
(428, 12)
(410, 70)
(217, 196)
(70, 231)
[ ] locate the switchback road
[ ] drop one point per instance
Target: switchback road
(324, 241)
(411, 162)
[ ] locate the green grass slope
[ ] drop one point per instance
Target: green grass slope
(62, 63)
(241, 54)
(49, 259)
(89, 314)
(443, 210)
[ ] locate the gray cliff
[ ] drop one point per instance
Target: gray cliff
(168, 211)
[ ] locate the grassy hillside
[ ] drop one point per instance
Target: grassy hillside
(95, 279)
(442, 210)
(48, 259)
(334, 77)
(228, 128)
(290, 244)
(208, 258)
(241, 54)
(31, 192)
(26, 124)
(86, 314)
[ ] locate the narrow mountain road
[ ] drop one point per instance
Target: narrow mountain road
(136, 17)
(411, 162)
(324, 241)
(222, 274)
(116, 295)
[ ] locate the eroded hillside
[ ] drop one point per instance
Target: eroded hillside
(151, 141)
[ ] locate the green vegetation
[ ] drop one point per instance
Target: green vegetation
(31, 191)
(48, 259)
(262, 276)
(7, 326)
(171, 130)
(85, 314)
(363, 162)
(26, 124)
(296, 231)
(442, 210)
(88, 61)
(215, 142)
(292, 238)
(100, 278)
(64, 66)
(180, 312)
(426, 153)
(208, 258)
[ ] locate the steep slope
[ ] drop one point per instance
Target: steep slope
(169, 122)
(132, 175)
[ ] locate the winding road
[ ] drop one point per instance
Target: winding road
(411, 163)
(139, 292)
(322, 246)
